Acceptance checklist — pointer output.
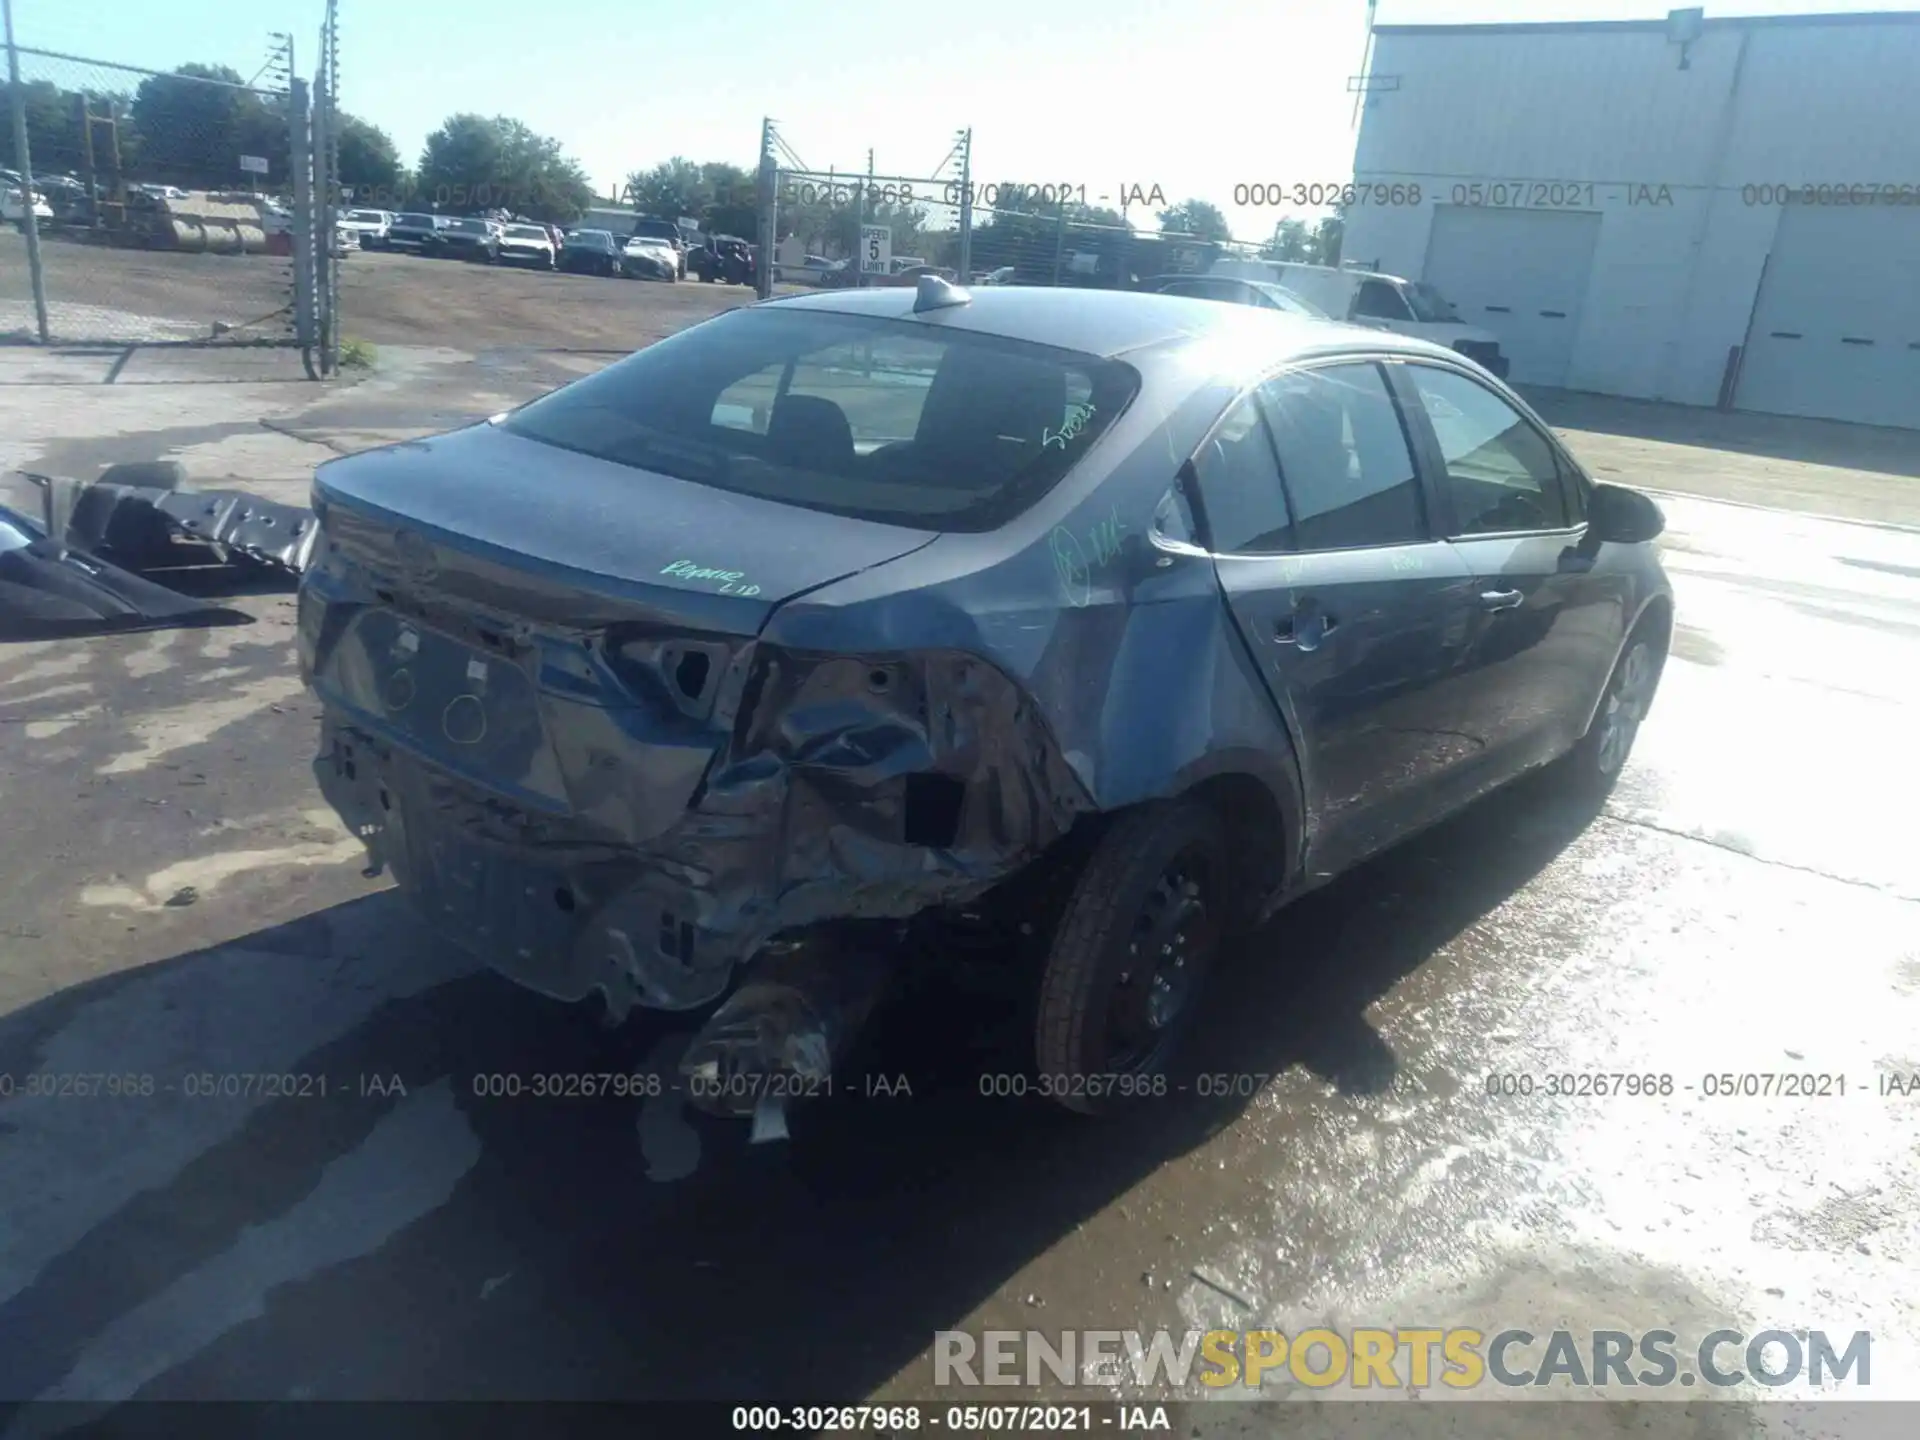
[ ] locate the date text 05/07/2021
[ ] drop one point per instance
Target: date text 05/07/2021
(839, 194)
(1711, 1085)
(912, 1416)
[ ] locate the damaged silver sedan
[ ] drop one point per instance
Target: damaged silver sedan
(1118, 617)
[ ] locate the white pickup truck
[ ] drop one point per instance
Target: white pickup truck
(1384, 302)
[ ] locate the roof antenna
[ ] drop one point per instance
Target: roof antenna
(937, 294)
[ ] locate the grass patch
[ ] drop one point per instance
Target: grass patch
(357, 354)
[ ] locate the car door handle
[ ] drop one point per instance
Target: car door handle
(1500, 599)
(1288, 629)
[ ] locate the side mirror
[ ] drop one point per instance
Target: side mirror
(1619, 516)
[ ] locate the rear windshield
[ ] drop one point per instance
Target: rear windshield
(591, 239)
(419, 222)
(466, 227)
(369, 215)
(527, 232)
(882, 420)
(661, 229)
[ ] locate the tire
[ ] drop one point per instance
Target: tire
(1156, 868)
(1598, 757)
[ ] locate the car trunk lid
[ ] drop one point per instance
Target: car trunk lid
(565, 631)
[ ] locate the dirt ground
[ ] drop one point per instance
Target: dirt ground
(101, 295)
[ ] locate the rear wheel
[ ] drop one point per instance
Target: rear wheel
(1134, 945)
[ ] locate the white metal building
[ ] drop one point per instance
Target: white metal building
(1605, 197)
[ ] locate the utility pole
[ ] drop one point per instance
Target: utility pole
(23, 159)
(964, 261)
(861, 277)
(768, 232)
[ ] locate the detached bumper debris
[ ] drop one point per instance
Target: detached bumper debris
(779, 1036)
(145, 524)
(83, 566)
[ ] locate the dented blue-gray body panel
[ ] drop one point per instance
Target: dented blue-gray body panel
(886, 719)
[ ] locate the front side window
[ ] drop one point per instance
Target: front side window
(1501, 473)
(878, 419)
(1240, 491)
(1344, 457)
(1430, 305)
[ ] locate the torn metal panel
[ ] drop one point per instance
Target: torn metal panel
(143, 524)
(50, 592)
(646, 861)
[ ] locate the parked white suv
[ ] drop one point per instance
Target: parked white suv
(370, 227)
(14, 207)
(1384, 302)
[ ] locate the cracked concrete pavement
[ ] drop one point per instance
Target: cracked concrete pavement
(1747, 901)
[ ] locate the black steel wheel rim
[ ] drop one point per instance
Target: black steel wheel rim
(1168, 947)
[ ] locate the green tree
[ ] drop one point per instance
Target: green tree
(1199, 218)
(369, 160)
(193, 125)
(1293, 241)
(719, 194)
(473, 162)
(53, 126)
(1327, 238)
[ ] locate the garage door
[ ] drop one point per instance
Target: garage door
(1836, 332)
(1521, 274)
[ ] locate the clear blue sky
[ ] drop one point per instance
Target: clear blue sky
(1192, 95)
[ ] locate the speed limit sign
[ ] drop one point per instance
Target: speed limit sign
(876, 249)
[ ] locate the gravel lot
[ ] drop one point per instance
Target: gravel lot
(96, 294)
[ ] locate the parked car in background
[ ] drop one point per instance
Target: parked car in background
(415, 231)
(1380, 302)
(912, 273)
(528, 244)
(724, 258)
(653, 228)
(807, 272)
(468, 237)
(14, 205)
(999, 275)
(649, 257)
(1343, 584)
(371, 227)
(160, 192)
(1257, 293)
(591, 252)
(67, 197)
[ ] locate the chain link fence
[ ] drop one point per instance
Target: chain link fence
(1048, 243)
(854, 230)
(830, 228)
(148, 208)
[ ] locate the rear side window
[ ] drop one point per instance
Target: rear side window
(1246, 509)
(883, 420)
(1344, 458)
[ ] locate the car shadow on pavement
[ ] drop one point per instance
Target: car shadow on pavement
(409, 1237)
